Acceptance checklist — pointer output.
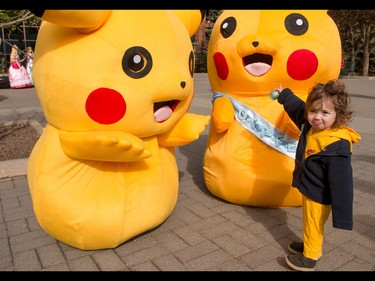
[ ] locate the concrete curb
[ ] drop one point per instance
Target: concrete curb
(12, 168)
(18, 167)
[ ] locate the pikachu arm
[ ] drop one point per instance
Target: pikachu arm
(186, 130)
(103, 146)
(222, 114)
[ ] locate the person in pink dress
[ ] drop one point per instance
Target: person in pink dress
(17, 73)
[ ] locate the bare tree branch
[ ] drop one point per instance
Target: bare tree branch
(22, 16)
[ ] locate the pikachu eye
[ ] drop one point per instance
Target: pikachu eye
(137, 62)
(191, 64)
(228, 26)
(296, 24)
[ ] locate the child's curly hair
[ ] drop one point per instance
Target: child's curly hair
(335, 91)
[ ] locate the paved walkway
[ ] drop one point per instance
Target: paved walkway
(203, 233)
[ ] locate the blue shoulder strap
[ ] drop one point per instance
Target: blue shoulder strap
(261, 128)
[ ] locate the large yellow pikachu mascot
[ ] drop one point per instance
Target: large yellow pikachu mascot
(115, 88)
(249, 156)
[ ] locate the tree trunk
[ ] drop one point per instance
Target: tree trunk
(367, 30)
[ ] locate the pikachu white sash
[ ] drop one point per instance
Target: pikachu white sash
(261, 128)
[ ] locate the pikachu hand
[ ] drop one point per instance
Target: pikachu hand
(103, 146)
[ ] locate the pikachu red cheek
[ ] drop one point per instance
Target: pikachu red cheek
(105, 106)
(221, 65)
(302, 64)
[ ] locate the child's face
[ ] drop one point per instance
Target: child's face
(321, 115)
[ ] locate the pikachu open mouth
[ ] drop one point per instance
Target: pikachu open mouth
(257, 64)
(164, 110)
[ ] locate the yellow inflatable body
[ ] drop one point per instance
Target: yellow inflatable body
(249, 156)
(115, 87)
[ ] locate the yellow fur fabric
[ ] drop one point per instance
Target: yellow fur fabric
(115, 87)
(250, 53)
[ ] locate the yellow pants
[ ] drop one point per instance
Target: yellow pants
(314, 217)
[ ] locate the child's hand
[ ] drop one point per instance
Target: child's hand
(280, 88)
(274, 94)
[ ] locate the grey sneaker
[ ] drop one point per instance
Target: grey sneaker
(296, 247)
(301, 263)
